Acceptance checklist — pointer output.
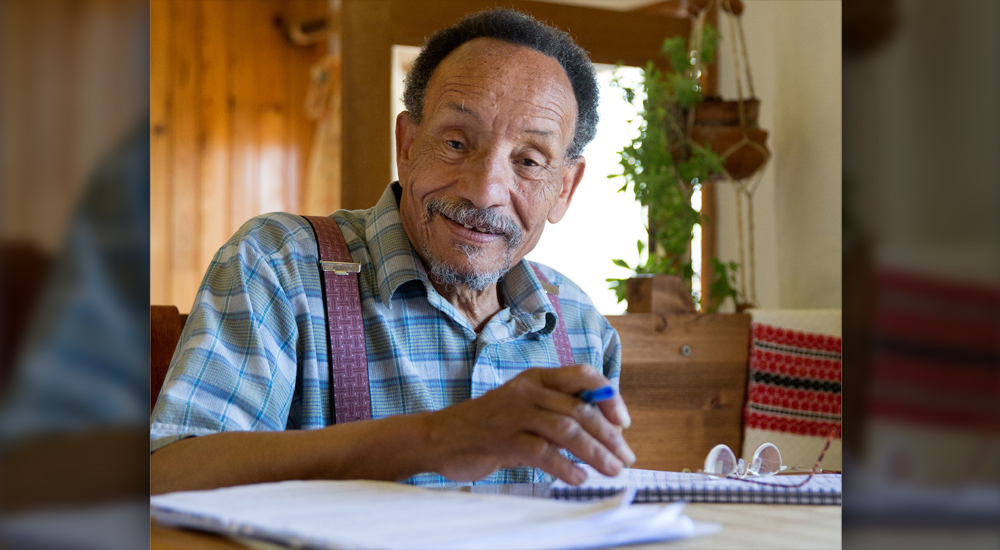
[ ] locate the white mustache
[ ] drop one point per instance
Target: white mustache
(481, 219)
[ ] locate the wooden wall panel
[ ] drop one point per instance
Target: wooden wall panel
(230, 134)
(301, 130)
(185, 173)
(245, 147)
(216, 127)
(160, 199)
(683, 405)
(74, 77)
(270, 53)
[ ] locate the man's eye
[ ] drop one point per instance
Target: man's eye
(455, 144)
(528, 162)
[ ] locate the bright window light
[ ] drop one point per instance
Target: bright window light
(601, 224)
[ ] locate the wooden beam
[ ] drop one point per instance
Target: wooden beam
(709, 240)
(608, 36)
(367, 116)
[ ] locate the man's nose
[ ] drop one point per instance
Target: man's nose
(487, 180)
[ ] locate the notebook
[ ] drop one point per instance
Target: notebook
(656, 486)
(378, 514)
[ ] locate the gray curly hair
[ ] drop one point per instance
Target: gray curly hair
(522, 30)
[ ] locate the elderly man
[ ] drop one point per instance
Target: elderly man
(465, 382)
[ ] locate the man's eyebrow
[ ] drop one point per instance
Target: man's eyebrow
(460, 107)
(543, 133)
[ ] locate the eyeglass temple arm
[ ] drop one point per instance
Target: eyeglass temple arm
(826, 447)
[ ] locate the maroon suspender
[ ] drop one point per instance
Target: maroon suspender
(559, 336)
(345, 323)
(346, 330)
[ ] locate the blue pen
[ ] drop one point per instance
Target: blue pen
(595, 396)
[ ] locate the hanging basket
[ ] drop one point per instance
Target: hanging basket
(717, 125)
(744, 157)
(729, 128)
(714, 111)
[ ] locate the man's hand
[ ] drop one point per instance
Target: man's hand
(527, 421)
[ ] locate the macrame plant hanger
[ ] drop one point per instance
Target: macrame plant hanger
(745, 187)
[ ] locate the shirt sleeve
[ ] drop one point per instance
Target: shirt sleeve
(235, 366)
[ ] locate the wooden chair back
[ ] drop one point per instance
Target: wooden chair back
(684, 378)
(24, 269)
(165, 326)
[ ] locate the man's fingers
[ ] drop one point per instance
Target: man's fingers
(591, 420)
(536, 452)
(575, 379)
(566, 432)
(616, 411)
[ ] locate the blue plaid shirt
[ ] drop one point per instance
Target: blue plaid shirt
(253, 355)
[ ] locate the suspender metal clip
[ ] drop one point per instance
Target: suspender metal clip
(340, 268)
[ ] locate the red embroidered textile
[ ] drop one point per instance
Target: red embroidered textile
(793, 382)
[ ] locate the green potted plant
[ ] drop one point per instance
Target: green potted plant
(662, 167)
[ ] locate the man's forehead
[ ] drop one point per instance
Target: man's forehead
(494, 69)
(496, 59)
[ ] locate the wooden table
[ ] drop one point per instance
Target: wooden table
(743, 526)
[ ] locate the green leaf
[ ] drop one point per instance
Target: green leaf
(621, 263)
(709, 43)
(619, 286)
(675, 49)
(723, 285)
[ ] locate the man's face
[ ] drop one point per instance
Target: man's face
(487, 165)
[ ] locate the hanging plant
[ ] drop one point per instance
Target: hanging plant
(663, 166)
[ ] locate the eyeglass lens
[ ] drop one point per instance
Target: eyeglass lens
(720, 461)
(767, 460)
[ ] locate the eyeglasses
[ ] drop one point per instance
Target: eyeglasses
(766, 461)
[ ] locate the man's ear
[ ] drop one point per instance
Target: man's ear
(572, 175)
(406, 130)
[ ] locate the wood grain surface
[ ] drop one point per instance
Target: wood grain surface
(683, 405)
(230, 138)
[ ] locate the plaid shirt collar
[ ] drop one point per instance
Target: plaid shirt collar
(396, 262)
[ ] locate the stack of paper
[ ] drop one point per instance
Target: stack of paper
(372, 514)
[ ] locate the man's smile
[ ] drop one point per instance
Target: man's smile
(478, 228)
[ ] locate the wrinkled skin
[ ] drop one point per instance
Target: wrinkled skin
(496, 125)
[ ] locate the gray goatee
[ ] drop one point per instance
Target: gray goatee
(483, 219)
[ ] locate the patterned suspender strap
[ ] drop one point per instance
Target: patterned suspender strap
(559, 336)
(350, 397)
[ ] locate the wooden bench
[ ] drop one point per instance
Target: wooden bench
(165, 326)
(684, 378)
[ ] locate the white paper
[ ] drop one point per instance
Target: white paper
(372, 514)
